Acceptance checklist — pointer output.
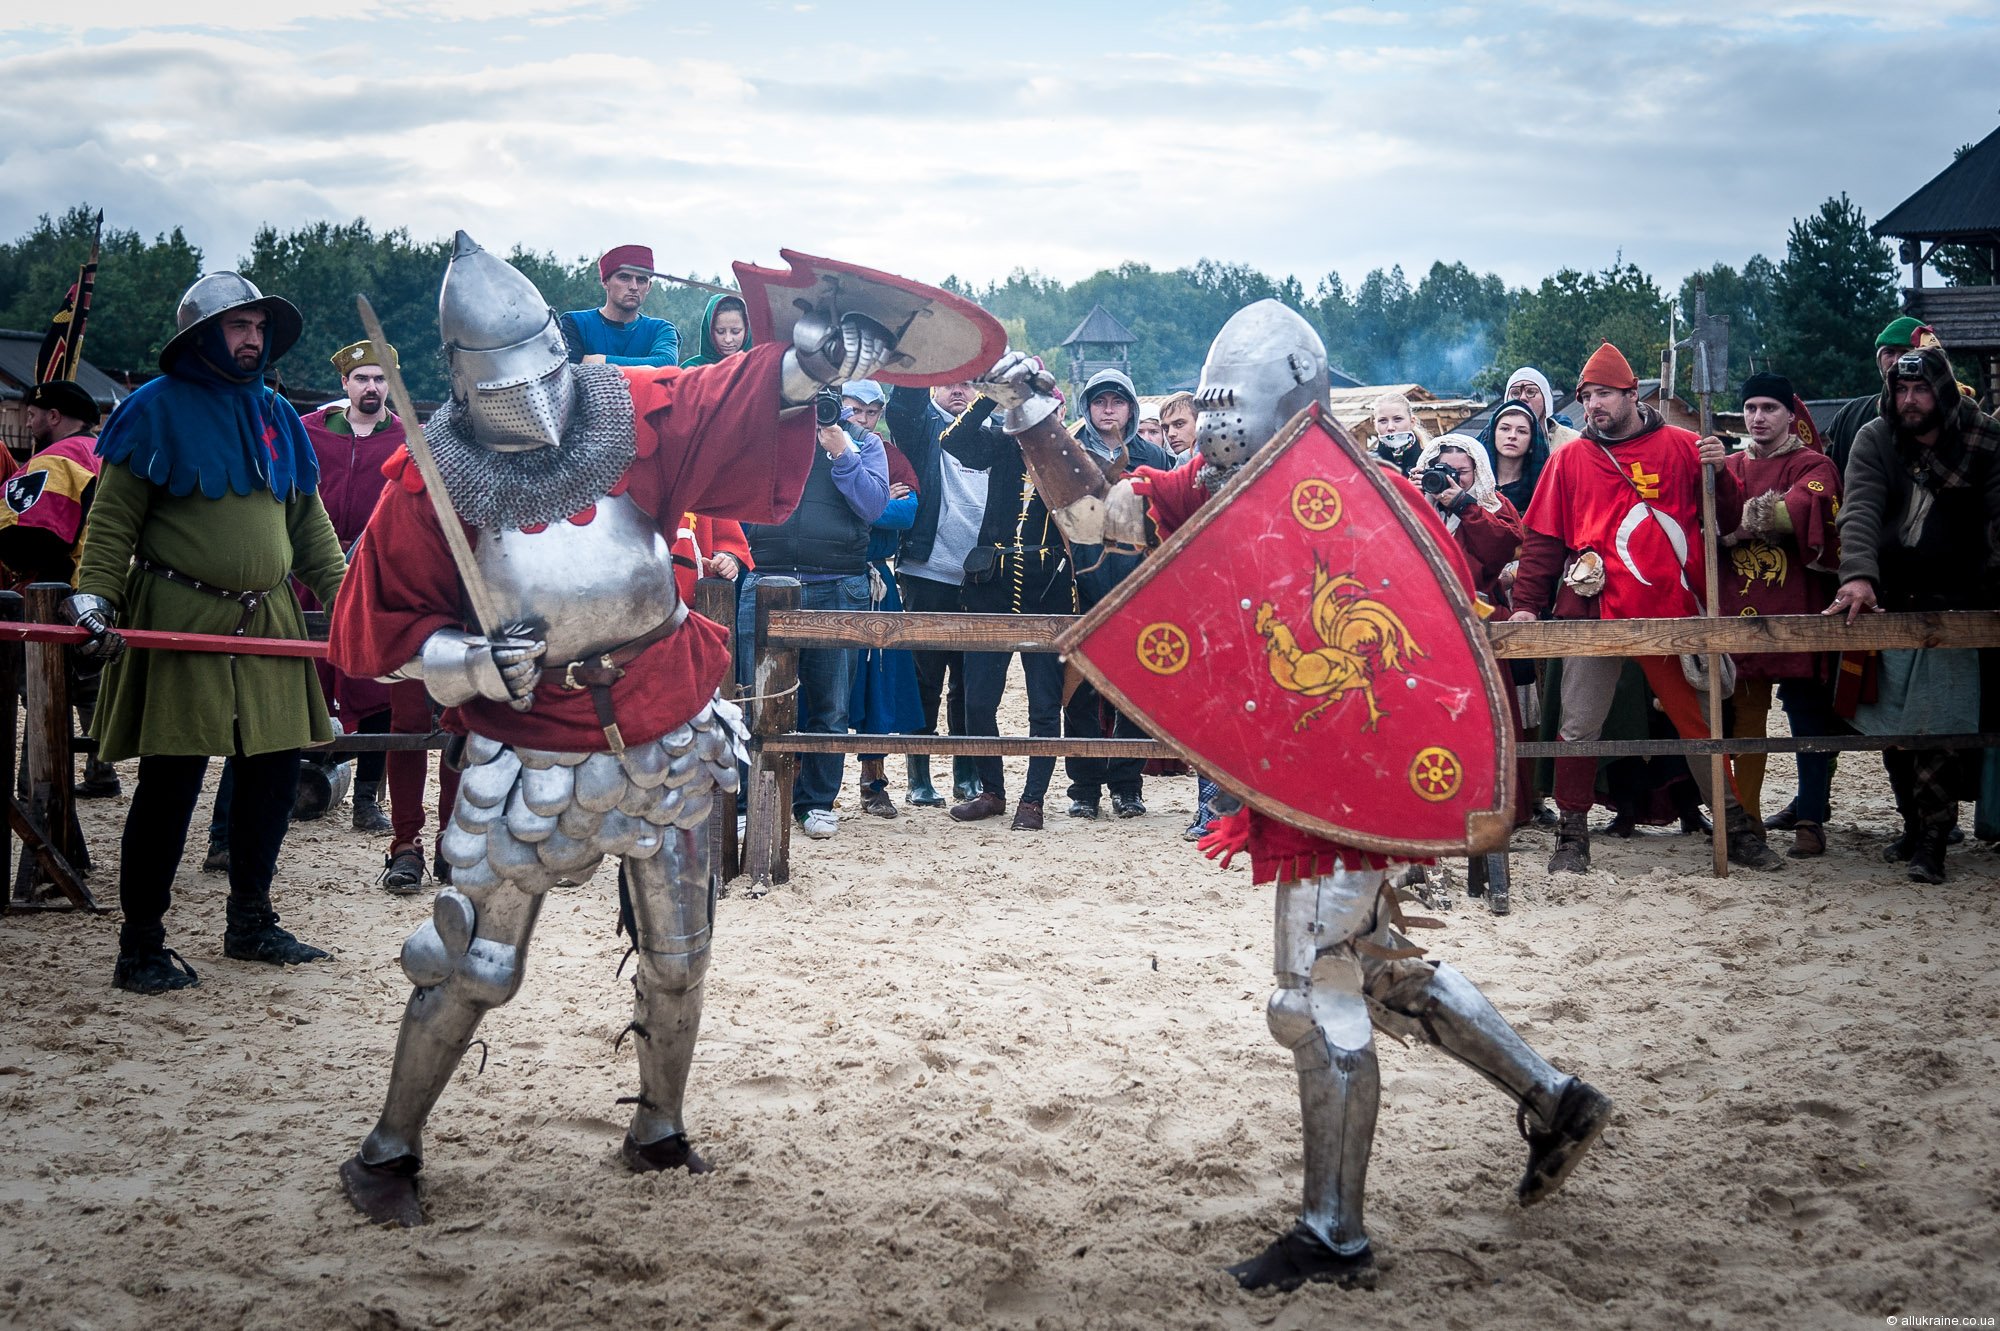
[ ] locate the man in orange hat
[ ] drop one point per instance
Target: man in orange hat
(1614, 532)
(615, 333)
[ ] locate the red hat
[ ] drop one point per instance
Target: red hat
(624, 256)
(1607, 368)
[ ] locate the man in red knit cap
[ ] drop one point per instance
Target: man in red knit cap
(1614, 532)
(615, 333)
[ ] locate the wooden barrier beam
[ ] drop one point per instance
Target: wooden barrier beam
(1544, 639)
(1010, 746)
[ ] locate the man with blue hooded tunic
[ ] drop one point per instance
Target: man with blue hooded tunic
(207, 506)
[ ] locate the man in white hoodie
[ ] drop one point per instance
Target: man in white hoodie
(1531, 386)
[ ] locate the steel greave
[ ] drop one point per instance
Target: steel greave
(439, 1021)
(672, 913)
(1434, 1003)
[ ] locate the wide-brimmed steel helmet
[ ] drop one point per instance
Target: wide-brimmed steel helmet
(217, 294)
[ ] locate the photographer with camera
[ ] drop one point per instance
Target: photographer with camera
(1455, 476)
(824, 544)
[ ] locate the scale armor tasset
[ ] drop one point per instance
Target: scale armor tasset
(1264, 367)
(510, 370)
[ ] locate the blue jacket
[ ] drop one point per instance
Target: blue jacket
(644, 341)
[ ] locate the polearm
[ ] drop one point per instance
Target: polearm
(86, 284)
(485, 612)
(1704, 372)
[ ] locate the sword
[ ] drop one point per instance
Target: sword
(484, 612)
(684, 281)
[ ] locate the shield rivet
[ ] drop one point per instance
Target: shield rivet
(1249, 704)
(1245, 603)
(1411, 682)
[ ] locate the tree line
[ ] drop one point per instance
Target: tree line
(1811, 315)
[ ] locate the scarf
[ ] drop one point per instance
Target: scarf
(201, 426)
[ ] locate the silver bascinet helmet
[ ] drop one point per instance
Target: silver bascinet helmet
(1264, 367)
(510, 371)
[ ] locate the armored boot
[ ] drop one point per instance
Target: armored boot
(964, 779)
(1572, 844)
(368, 815)
(1746, 840)
(668, 893)
(920, 792)
(1559, 1116)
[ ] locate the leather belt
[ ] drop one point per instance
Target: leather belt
(601, 672)
(248, 600)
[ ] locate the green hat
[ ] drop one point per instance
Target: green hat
(1900, 333)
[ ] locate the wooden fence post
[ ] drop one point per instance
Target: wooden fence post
(774, 711)
(715, 598)
(49, 817)
(10, 731)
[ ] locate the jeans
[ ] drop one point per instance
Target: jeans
(826, 678)
(1808, 704)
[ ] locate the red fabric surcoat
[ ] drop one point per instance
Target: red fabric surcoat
(710, 440)
(1588, 500)
(1780, 573)
(1279, 852)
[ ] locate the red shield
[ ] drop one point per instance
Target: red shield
(940, 338)
(1306, 642)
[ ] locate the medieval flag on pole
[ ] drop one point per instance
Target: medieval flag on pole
(62, 345)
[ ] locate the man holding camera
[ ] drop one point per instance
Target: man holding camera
(824, 544)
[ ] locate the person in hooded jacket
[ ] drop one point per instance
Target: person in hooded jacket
(1919, 529)
(1109, 430)
(725, 330)
(1517, 448)
(1531, 386)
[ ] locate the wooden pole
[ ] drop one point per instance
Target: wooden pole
(1718, 765)
(774, 711)
(10, 731)
(715, 599)
(51, 804)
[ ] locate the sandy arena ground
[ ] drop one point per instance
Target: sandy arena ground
(956, 1076)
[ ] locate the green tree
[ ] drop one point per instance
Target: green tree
(1836, 286)
(139, 284)
(1557, 326)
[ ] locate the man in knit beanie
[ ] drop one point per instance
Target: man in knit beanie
(1614, 532)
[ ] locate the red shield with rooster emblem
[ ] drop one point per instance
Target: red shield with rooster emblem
(1305, 642)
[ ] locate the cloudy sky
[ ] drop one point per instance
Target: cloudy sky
(935, 139)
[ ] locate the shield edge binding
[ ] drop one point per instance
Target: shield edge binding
(804, 273)
(1486, 829)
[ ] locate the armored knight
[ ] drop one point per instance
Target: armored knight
(1342, 965)
(592, 726)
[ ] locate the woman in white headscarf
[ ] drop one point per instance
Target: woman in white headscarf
(1486, 526)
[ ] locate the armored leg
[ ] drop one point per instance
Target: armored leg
(1319, 1012)
(671, 910)
(1558, 1115)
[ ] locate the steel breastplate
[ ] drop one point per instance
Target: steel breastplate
(588, 587)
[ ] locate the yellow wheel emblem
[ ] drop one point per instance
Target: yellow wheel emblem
(1315, 503)
(1163, 649)
(1816, 487)
(1435, 773)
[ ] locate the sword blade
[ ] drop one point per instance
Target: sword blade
(484, 610)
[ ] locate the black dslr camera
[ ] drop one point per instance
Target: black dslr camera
(826, 407)
(1437, 478)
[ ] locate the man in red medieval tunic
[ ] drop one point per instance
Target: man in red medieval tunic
(1614, 532)
(1775, 504)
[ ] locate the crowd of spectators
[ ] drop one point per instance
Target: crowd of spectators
(918, 501)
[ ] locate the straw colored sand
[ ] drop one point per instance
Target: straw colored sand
(956, 1076)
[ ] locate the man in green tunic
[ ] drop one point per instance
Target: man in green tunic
(207, 505)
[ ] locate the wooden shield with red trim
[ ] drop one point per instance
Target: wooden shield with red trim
(940, 338)
(1306, 642)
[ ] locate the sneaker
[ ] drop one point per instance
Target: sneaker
(1195, 831)
(819, 824)
(403, 872)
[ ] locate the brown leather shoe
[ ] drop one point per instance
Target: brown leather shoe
(1028, 816)
(1808, 840)
(986, 804)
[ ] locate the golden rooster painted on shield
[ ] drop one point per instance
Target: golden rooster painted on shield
(1358, 634)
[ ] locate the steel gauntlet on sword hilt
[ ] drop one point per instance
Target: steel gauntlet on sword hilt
(457, 667)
